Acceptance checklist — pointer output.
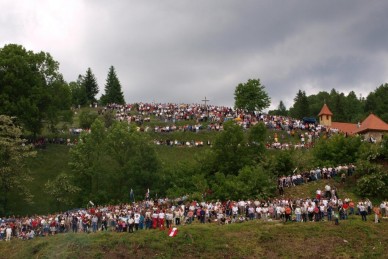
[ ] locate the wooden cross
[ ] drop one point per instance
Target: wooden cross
(205, 100)
(207, 111)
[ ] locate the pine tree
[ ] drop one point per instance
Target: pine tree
(301, 106)
(90, 84)
(282, 109)
(113, 93)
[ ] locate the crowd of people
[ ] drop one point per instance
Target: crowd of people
(298, 178)
(171, 113)
(212, 118)
(164, 213)
(289, 133)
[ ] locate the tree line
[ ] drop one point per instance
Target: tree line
(345, 108)
(33, 90)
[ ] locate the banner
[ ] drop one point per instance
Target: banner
(172, 232)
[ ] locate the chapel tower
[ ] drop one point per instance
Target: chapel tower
(325, 116)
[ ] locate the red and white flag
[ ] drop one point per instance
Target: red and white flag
(172, 232)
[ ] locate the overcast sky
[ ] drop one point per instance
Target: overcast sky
(181, 51)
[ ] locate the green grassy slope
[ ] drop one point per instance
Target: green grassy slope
(54, 159)
(47, 164)
(256, 239)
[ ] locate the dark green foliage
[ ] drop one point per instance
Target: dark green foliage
(109, 118)
(256, 141)
(301, 106)
(316, 102)
(283, 163)
(107, 163)
(373, 177)
(78, 93)
(251, 182)
(251, 96)
(377, 102)
(62, 190)
(384, 147)
(113, 93)
(337, 150)
(90, 86)
(337, 105)
(281, 110)
(14, 177)
(86, 118)
(344, 108)
(31, 87)
(354, 108)
(373, 185)
(229, 150)
(177, 180)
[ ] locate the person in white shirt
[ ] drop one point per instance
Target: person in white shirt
(31, 234)
(234, 210)
(131, 222)
(8, 233)
(169, 217)
(327, 191)
(362, 210)
(161, 218)
(137, 220)
(258, 212)
(298, 213)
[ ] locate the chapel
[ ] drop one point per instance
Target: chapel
(372, 127)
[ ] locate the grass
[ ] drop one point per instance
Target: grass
(45, 166)
(256, 239)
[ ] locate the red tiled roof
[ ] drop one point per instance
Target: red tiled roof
(325, 111)
(372, 123)
(349, 128)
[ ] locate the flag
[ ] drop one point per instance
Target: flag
(172, 232)
(147, 194)
(131, 196)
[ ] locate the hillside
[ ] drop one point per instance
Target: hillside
(353, 238)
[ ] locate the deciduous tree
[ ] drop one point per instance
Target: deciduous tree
(251, 96)
(14, 176)
(31, 87)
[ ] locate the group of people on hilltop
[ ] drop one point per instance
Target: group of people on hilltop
(285, 127)
(171, 113)
(215, 116)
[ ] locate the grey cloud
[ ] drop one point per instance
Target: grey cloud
(182, 51)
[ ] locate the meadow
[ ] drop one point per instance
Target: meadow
(352, 238)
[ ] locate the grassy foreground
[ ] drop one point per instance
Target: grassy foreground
(256, 239)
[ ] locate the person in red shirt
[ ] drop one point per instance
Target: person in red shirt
(345, 207)
(288, 212)
(316, 214)
(351, 207)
